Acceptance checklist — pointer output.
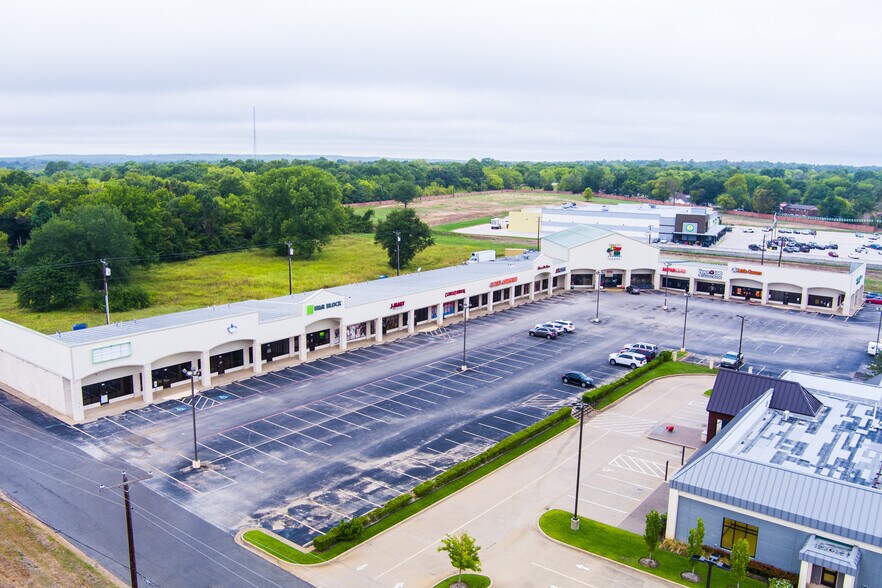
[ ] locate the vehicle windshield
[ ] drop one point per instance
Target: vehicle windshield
(730, 356)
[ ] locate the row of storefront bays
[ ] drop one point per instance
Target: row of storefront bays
(781, 293)
(174, 371)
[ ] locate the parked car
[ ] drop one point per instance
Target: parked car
(767, 229)
(747, 230)
(567, 326)
(783, 231)
(754, 247)
(553, 327)
(631, 359)
(632, 289)
(649, 355)
(854, 256)
(732, 360)
(873, 301)
(577, 378)
(832, 254)
(543, 332)
(649, 347)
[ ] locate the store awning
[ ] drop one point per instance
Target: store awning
(832, 555)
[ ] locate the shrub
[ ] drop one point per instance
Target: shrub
(350, 529)
(780, 583)
(323, 542)
(594, 396)
(121, 298)
(424, 488)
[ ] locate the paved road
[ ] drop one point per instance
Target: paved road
(59, 483)
(298, 449)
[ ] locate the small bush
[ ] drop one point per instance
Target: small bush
(350, 529)
(121, 298)
(424, 488)
(593, 397)
(324, 542)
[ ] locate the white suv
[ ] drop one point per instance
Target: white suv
(628, 358)
(567, 326)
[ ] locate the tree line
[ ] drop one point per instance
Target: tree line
(55, 223)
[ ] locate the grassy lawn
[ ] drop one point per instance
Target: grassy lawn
(668, 368)
(30, 556)
(470, 580)
(627, 549)
(289, 554)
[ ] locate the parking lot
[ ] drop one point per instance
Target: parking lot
(738, 241)
(298, 449)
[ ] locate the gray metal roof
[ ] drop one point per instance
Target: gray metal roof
(578, 235)
(734, 390)
(819, 472)
(283, 307)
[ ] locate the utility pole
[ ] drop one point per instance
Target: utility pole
(130, 534)
(290, 275)
(538, 230)
(105, 271)
(763, 251)
(780, 251)
(397, 252)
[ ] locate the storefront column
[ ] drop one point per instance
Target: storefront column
(343, 337)
(805, 573)
(410, 325)
(292, 344)
(692, 285)
(626, 279)
(727, 290)
(804, 300)
(764, 299)
(568, 281)
(302, 346)
(378, 330)
(847, 581)
(76, 397)
(257, 364)
(147, 383)
(206, 369)
(511, 301)
(673, 503)
(550, 284)
(439, 309)
(532, 291)
(490, 302)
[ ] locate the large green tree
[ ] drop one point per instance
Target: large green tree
(739, 559)
(414, 234)
(66, 251)
(652, 531)
(300, 205)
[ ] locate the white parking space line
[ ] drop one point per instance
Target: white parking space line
(390, 400)
(319, 425)
(616, 492)
(638, 465)
(255, 446)
(339, 418)
(250, 388)
(636, 448)
(586, 501)
(228, 456)
(373, 405)
(510, 421)
(494, 428)
(620, 481)
(529, 416)
(562, 575)
(467, 432)
(367, 416)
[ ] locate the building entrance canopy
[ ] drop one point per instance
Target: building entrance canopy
(831, 555)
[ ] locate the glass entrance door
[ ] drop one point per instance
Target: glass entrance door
(829, 577)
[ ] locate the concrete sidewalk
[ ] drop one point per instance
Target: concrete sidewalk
(620, 474)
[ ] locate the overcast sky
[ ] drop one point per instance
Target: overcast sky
(774, 80)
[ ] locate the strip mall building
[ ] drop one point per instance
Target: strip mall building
(75, 372)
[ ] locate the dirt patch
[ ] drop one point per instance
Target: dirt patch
(31, 556)
(648, 563)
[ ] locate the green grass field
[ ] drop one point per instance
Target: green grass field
(253, 274)
(627, 549)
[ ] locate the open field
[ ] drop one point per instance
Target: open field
(31, 556)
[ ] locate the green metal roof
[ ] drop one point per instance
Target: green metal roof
(578, 235)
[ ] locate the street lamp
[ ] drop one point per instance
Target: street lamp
(666, 278)
(290, 275)
(599, 287)
(193, 374)
(685, 316)
(465, 321)
(878, 330)
(740, 339)
(397, 252)
(582, 407)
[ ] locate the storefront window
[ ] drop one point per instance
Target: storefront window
(356, 331)
(675, 283)
(785, 297)
(420, 315)
(274, 349)
(641, 280)
(164, 377)
(709, 288)
(226, 361)
(823, 301)
(733, 531)
(109, 389)
(582, 279)
(747, 292)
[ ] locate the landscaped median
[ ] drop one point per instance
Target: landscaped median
(627, 548)
(350, 533)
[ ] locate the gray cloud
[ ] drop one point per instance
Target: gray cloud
(558, 80)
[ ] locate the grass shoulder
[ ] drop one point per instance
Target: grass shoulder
(627, 548)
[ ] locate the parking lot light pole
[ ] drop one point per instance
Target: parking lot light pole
(193, 374)
(740, 339)
(597, 310)
(685, 316)
(465, 321)
(667, 275)
(290, 275)
(582, 406)
(879, 330)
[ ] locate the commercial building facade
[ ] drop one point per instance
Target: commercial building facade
(76, 372)
(796, 474)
